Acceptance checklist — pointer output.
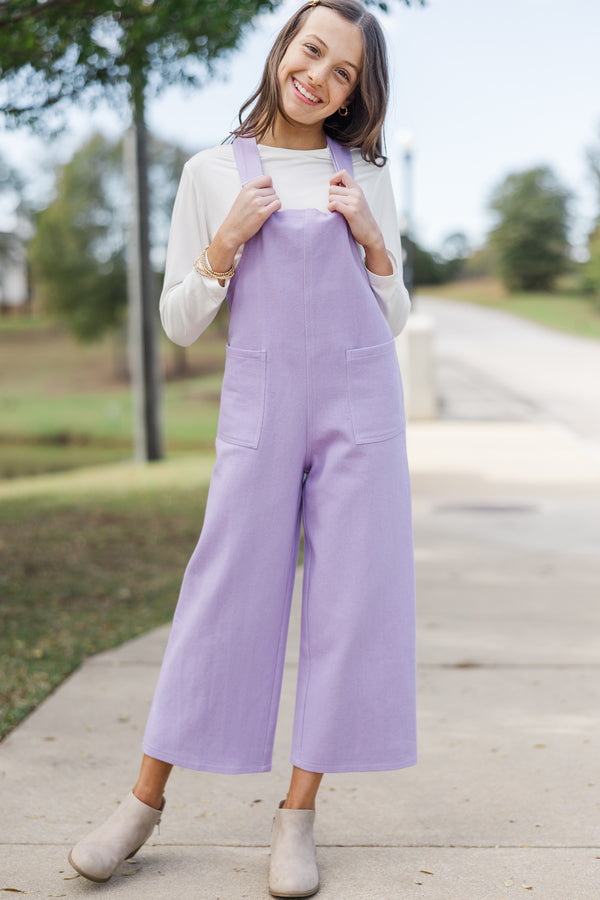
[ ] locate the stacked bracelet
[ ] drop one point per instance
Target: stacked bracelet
(203, 267)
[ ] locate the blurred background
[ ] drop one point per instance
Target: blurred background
(493, 137)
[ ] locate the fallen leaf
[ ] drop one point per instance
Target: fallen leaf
(19, 891)
(239, 869)
(540, 746)
(125, 874)
(508, 883)
(425, 872)
(71, 877)
(527, 887)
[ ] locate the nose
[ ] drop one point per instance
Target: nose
(316, 73)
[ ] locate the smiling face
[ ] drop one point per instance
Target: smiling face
(318, 73)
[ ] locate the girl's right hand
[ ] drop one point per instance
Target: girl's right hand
(252, 207)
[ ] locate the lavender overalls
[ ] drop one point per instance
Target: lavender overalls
(311, 428)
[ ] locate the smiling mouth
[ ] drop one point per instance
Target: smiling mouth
(312, 98)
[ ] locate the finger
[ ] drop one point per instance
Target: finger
(263, 181)
(342, 177)
(339, 190)
(272, 207)
(337, 206)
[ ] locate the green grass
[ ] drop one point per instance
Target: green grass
(90, 559)
(61, 404)
(566, 310)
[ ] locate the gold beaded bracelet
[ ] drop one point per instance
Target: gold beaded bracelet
(203, 267)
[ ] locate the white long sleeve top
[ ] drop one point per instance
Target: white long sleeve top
(209, 185)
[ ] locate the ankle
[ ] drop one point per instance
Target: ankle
(291, 803)
(149, 797)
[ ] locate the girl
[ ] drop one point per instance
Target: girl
(298, 233)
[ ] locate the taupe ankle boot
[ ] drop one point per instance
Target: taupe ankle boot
(99, 854)
(293, 870)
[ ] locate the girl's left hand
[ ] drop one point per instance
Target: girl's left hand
(346, 197)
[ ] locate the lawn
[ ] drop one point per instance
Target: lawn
(93, 556)
(566, 310)
(90, 558)
(63, 405)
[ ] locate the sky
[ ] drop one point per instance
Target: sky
(484, 88)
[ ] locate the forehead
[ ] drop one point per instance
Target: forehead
(343, 38)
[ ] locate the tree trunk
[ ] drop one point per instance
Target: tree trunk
(145, 379)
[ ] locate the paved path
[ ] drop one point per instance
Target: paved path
(544, 373)
(505, 801)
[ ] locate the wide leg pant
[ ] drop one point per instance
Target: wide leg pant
(216, 702)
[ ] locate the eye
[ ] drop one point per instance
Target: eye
(312, 49)
(343, 74)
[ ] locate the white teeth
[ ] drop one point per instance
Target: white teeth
(304, 92)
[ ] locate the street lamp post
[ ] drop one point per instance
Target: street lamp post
(405, 141)
(415, 343)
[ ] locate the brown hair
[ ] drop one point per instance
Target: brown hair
(363, 126)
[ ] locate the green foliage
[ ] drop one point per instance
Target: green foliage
(593, 159)
(62, 50)
(11, 184)
(483, 262)
(591, 269)
(65, 49)
(439, 268)
(78, 251)
(531, 236)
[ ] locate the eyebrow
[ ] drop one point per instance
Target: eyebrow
(323, 44)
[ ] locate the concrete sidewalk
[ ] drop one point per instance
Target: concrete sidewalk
(505, 801)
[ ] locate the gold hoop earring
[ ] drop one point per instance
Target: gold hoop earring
(343, 111)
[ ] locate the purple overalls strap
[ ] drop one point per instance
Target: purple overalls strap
(248, 161)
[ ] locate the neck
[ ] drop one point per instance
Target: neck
(290, 136)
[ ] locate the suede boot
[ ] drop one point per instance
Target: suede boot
(293, 871)
(99, 854)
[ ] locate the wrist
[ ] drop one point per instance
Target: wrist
(376, 244)
(221, 251)
(377, 260)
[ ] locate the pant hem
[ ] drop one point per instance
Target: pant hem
(187, 762)
(311, 766)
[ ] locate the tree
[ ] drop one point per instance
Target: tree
(64, 50)
(591, 269)
(56, 51)
(530, 238)
(11, 184)
(78, 250)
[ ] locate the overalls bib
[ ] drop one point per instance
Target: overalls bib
(311, 428)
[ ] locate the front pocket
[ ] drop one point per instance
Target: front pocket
(243, 396)
(375, 392)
